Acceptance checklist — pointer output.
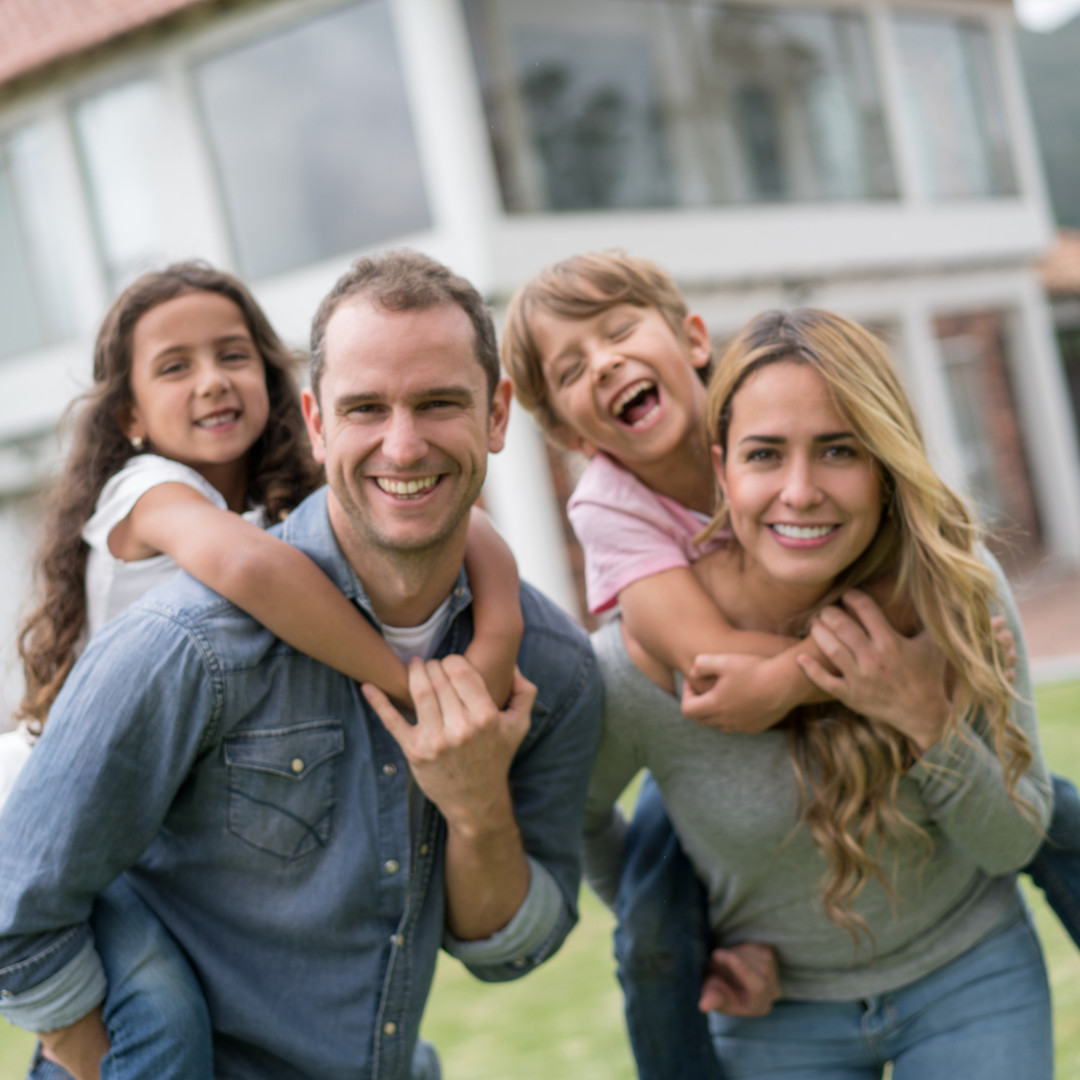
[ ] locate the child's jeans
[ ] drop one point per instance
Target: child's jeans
(662, 941)
(155, 1011)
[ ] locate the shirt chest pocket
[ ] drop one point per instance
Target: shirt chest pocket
(282, 786)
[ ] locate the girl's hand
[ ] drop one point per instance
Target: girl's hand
(740, 981)
(883, 675)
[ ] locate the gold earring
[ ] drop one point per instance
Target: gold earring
(138, 443)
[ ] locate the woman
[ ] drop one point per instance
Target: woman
(873, 843)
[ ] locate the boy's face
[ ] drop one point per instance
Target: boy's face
(623, 381)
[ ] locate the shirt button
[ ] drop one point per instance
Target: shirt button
(518, 964)
(389, 1028)
(423, 849)
(391, 866)
(297, 765)
(397, 939)
(6, 994)
(389, 769)
(459, 592)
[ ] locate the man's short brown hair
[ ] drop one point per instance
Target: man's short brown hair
(579, 288)
(407, 280)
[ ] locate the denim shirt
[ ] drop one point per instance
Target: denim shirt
(263, 812)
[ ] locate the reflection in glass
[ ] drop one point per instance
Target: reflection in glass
(313, 140)
(639, 103)
(121, 137)
(952, 107)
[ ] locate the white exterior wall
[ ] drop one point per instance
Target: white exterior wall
(904, 261)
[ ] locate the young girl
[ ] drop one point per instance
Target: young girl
(191, 440)
(604, 351)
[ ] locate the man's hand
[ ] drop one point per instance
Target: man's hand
(79, 1047)
(740, 981)
(460, 750)
(461, 745)
(883, 675)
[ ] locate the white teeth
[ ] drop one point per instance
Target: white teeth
(803, 532)
(406, 487)
(217, 419)
(629, 394)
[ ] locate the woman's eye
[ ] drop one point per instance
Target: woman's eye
(841, 452)
(171, 368)
(764, 453)
(236, 357)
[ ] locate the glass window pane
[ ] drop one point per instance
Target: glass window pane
(36, 291)
(121, 135)
(21, 326)
(952, 107)
(636, 103)
(313, 140)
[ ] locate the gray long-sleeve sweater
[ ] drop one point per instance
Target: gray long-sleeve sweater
(734, 805)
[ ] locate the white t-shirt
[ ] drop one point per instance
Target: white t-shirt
(111, 583)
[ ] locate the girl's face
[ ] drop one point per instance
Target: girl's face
(804, 494)
(198, 382)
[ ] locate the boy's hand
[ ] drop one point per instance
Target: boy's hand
(731, 693)
(1006, 646)
(740, 981)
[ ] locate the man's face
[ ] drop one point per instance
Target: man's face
(402, 425)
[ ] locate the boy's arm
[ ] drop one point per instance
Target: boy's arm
(272, 581)
(497, 621)
(737, 680)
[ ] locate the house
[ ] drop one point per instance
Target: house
(873, 156)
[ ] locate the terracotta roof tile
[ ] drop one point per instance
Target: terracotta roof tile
(1060, 269)
(34, 33)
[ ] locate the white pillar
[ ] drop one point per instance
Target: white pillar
(521, 499)
(1042, 399)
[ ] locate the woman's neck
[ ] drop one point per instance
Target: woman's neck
(752, 600)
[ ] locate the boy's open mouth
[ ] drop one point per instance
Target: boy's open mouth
(636, 403)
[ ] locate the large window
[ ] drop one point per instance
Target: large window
(639, 103)
(35, 291)
(122, 142)
(313, 141)
(952, 107)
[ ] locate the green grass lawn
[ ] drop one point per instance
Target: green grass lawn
(565, 1019)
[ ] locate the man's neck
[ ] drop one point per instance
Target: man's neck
(404, 587)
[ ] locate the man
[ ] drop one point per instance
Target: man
(309, 856)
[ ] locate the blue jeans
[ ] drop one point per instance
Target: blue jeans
(662, 941)
(155, 1011)
(985, 1014)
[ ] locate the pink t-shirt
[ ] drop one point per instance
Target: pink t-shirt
(628, 531)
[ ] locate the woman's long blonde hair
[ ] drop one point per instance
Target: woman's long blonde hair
(849, 767)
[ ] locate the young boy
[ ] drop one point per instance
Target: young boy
(604, 352)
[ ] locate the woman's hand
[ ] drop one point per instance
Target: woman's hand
(740, 981)
(883, 675)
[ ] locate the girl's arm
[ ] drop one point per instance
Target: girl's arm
(497, 620)
(675, 620)
(272, 581)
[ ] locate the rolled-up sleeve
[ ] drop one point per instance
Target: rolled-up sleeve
(120, 740)
(548, 781)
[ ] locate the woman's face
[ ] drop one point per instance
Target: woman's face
(804, 494)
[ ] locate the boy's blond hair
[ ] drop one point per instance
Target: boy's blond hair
(579, 288)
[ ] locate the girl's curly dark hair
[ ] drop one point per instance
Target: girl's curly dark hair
(281, 471)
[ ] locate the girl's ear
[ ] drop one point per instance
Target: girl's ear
(696, 336)
(131, 423)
